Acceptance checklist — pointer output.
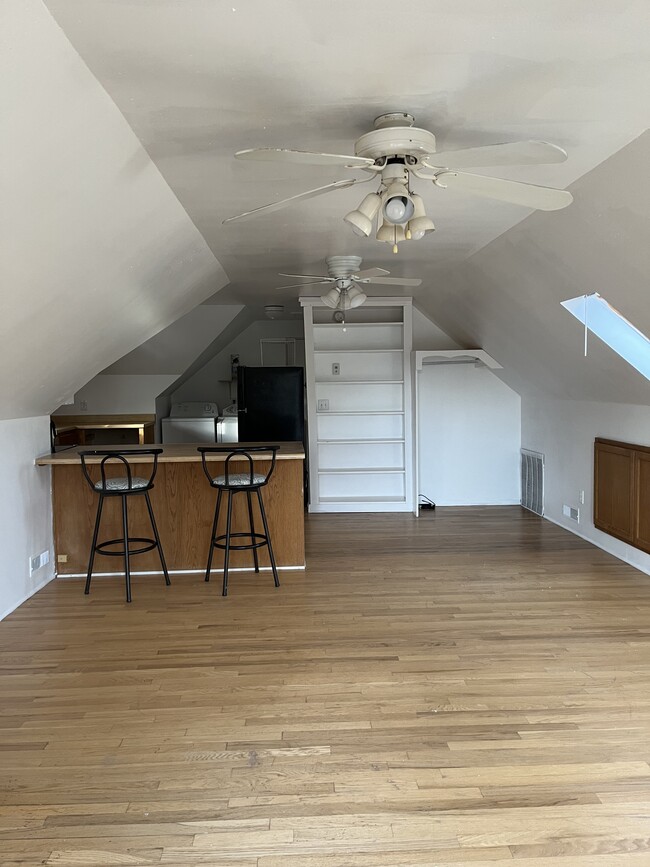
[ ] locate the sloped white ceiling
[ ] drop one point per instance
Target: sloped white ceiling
(174, 348)
(199, 79)
(506, 298)
(97, 254)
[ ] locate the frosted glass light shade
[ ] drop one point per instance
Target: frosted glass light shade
(331, 298)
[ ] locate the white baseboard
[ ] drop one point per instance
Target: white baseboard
(27, 596)
(604, 548)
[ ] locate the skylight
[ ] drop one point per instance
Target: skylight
(599, 317)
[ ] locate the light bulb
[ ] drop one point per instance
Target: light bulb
(395, 209)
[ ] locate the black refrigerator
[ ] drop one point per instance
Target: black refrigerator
(270, 404)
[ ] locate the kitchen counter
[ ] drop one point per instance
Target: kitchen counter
(173, 453)
(183, 503)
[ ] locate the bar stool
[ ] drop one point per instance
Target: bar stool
(234, 482)
(124, 487)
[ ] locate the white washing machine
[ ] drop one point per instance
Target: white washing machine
(191, 422)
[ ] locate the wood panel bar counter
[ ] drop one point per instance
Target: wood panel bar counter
(183, 503)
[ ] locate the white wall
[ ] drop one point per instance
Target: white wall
(207, 384)
(173, 349)
(96, 252)
(469, 435)
(564, 432)
(25, 509)
(106, 394)
(427, 335)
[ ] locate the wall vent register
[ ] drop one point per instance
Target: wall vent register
(532, 481)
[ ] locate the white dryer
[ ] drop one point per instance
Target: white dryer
(191, 422)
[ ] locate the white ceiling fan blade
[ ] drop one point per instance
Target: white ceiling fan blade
(283, 203)
(283, 155)
(527, 195)
(310, 277)
(370, 272)
(514, 153)
(299, 285)
(393, 281)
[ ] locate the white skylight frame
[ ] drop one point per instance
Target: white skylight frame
(603, 320)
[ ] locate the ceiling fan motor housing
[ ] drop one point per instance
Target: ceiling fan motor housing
(398, 141)
(341, 267)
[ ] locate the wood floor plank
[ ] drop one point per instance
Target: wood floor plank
(468, 688)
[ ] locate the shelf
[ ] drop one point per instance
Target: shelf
(352, 351)
(362, 500)
(348, 471)
(342, 325)
(326, 412)
(359, 382)
(365, 440)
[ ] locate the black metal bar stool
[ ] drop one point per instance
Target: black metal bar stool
(124, 487)
(235, 482)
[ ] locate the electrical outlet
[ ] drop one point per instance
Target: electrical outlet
(83, 405)
(581, 498)
(323, 405)
(61, 558)
(336, 369)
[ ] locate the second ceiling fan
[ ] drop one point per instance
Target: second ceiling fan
(347, 281)
(395, 152)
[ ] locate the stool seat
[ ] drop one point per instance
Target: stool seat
(123, 487)
(232, 484)
(121, 483)
(240, 480)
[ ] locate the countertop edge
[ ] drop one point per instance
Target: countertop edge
(176, 453)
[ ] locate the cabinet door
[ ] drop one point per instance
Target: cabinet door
(642, 501)
(614, 491)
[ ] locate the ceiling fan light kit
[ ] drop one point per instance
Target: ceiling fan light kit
(331, 298)
(395, 152)
(419, 225)
(346, 279)
(355, 296)
(361, 219)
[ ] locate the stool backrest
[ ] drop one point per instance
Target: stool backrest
(121, 459)
(235, 454)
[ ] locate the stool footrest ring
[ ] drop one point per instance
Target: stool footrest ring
(264, 541)
(149, 546)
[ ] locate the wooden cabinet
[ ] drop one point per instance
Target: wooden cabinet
(642, 500)
(622, 491)
(359, 405)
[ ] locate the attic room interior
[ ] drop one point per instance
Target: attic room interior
(423, 636)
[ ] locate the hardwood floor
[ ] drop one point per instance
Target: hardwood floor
(470, 688)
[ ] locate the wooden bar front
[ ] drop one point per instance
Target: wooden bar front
(183, 504)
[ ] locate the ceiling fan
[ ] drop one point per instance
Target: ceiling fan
(395, 152)
(343, 273)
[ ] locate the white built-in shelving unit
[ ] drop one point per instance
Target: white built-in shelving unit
(359, 418)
